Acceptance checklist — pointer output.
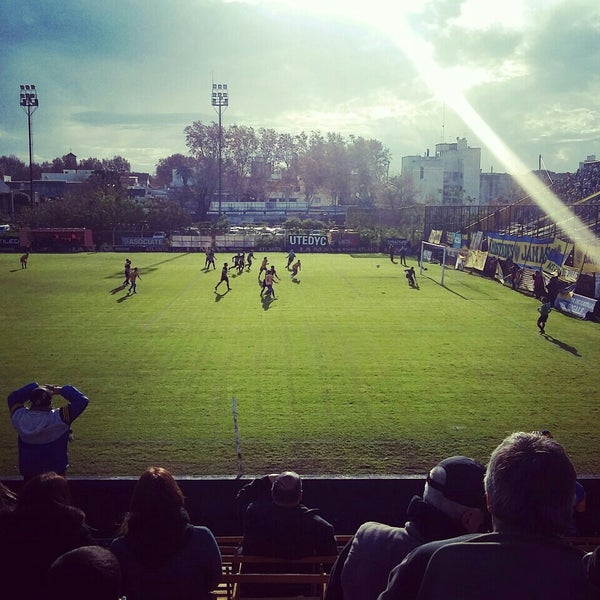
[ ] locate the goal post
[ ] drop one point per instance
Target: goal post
(433, 254)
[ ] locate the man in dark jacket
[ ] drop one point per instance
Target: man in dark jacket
(453, 503)
(277, 524)
(530, 491)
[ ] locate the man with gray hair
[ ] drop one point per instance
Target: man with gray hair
(530, 492)
(453, 503)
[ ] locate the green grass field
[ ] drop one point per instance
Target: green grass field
(348, 372)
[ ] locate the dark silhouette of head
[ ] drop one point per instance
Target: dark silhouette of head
(287, 489)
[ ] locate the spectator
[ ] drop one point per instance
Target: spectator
(277, 524)
(530, 490)
(44, 431)
(86, 573)
(453, 503)
(43, 526)
(162, 555)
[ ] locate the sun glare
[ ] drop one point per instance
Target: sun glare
(390, 18)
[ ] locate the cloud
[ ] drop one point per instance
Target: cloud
(127, 77)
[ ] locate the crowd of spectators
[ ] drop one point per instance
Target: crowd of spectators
(573, 187)
(477, 532)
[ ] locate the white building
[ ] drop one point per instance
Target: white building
(449, 177)
(70, 175)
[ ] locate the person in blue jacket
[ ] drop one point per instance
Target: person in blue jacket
(44, 431)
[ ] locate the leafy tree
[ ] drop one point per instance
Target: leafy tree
(203, 143)
(166, 166)
(117, 164)
(90, 164)
(17, 169)
(167, 215)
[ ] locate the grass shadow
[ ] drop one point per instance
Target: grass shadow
(562, 345)
(118, 289)
(219, 296)
(125, 297)
(266, 301)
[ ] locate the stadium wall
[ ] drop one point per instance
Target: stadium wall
(344, 502)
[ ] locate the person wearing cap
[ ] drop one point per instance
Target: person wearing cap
(530, 490)
(453, 504)
(277, 524)
(44, 431)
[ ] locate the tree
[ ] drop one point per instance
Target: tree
(90, 164)
(166, 215)
(117, 164)
(17, 169)
(174, 162)
(203, 143)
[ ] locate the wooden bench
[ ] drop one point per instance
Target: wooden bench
(233, 575)
(585, 543)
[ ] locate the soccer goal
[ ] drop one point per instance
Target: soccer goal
(433, 254)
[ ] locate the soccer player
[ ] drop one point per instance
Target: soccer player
(241, 262)
(249, 260)
(24, 260)
(127, 272)
(133, 277)
(295, 268)
(290, 259)
(545, 309)
(224, 277)
(210, 259)
(268, 284)
(410, 276)
(263, 266)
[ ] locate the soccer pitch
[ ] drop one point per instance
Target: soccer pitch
(348, 372)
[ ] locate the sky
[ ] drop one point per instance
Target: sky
(125, 77)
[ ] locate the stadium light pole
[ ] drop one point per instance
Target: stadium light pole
(220, 101)
(29, 103)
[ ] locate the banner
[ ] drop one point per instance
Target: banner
(546, 253)
(307, 240)
(435, 236)
(574, 303)
(584, 263)
(476, 259)
(476, 240)
(556, 254)
(454, 239)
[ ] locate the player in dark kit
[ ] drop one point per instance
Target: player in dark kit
(210, 259)
(410, 276)
(249, 259)
(224, 277)
(127, 272)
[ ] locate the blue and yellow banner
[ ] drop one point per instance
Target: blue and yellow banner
(548, 254)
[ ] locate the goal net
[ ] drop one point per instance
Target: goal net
(434, 255)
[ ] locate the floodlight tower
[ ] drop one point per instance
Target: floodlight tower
(220, 101)
(29, 103)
